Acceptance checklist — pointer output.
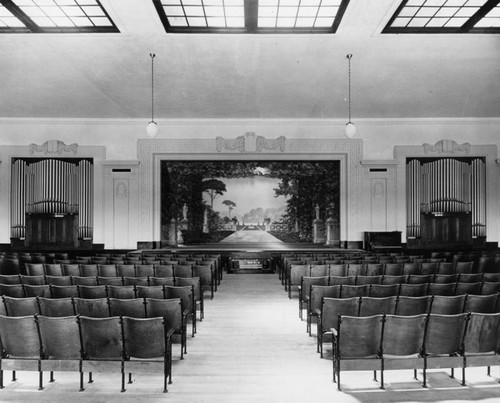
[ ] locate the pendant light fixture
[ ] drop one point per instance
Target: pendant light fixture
(152, 127)
(350, 128)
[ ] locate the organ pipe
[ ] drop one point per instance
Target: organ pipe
(51, 186)
(446, 185)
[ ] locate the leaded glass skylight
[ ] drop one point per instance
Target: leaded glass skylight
(445, 16)
(44, 16)
(251, 16)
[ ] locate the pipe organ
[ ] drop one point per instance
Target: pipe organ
(51, 187)
(445, 187)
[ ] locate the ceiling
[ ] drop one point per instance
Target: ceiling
(247, 76)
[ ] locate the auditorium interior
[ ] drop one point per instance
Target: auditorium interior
(178, 175)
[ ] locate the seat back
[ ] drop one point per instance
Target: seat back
(413, 290)
(136, 330)
(483, 333)
(88, 270)
(144, 270)
(338, 269)
(393, 269)
(94, 307)
(403, 335)
(336, 280)
(398, 279)
(369, 306)
(409, 306)
(359, 337)
(150, 291)
(170, 309)
(164, 270)
(53, 269)
(64, 291)
(59, 337)
(348, 291)
(481, 303)
(19, 336)
(121, 291)
(92, 291)
(135, 308)
(384, 290)
(101, 338)
(318, 292)
(444, 334)
(332, 308)
(106, 270)
(56, 307)
(20, 306)
(447, 305)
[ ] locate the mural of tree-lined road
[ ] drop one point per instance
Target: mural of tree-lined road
(246, 201)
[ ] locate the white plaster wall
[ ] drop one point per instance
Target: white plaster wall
(120, 139)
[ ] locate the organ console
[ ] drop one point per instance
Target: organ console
(52, 201)
(446, 200)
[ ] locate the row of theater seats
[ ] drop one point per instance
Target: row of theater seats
(84, 344)
(427, 341)
(189, 292)
(331, 308)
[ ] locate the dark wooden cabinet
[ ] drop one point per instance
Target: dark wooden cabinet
(446, 229)
(382, 240)
(55, 231)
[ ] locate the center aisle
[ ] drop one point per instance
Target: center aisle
(251, 347)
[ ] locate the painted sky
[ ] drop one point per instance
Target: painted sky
(248, 193)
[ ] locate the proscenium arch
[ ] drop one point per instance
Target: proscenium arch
(152, 152)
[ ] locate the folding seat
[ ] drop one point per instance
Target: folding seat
(294, 279)
(356, 345)
(374, 269)
(490, 277)
(420, 278)
(481, 341)
(195, 283)
(106, 270)
(152, 357)
(99, 260)
(35, 269)
(338, 270)
(409, 306)
(348, 291)
(162, 281)
(401, 259)
(121, 291)
(369, 306)
(88, 281)
(490, 287)
(37, 290)
(441, 289)
(58, 280)
(389, 279)
(445, 278)
(32, 280)
(393, 269)
(447, 305)
(60, 345)
(70, 269)
(92, 307)
(446, 268)
(89, 270)
(186, 294)
(486, 264)
(361, 280)
(92, 291)
(82, 260)
(163, 270)
(150, 291)
(481, 303)
(319, 270)
(328, 317)
(443, 342)
(116, 281)
(317, 293)
(402, 343)
(20, 346)
(53, 269)
(12, 290)
(356, 269)
(10, 279)
(171, 311)
(413, 290)
(102, 346)
(144, 270)
(64, 291)
(305, 290)
(207, 278)
(468, 288)
(20, 306)
(336, 280)
(470, 277)
(384, 290)
(125, 270)
(134, 307)
(411, 268)
(56, 307)
(135, 281)
(312, 262)
(464, 267)
(429, 268)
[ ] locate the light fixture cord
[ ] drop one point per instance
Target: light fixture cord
(349, 56)
(152, 86)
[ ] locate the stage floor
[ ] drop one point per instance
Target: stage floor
(252, 247)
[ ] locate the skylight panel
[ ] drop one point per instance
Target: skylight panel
(251, 16)
(44, 16)
(9, 21)
(444, 16)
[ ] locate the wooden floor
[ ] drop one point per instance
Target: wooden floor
(252, 347)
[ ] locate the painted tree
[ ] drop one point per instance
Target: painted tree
(214, 188)
(230, 206)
